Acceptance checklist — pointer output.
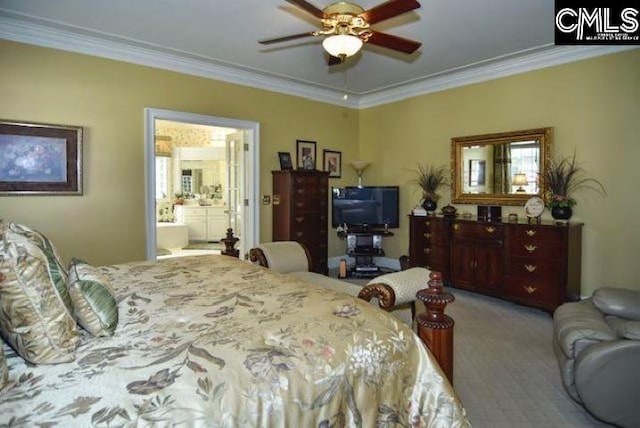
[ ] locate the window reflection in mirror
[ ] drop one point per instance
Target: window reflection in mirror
(503, 168)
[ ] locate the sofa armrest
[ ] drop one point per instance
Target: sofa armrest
(384, 293)
(578, 325)
(281, 256)
(618, 302)
(607, 378)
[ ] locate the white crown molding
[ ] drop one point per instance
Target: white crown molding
(550, 56)
(41, 35)
(20, 30)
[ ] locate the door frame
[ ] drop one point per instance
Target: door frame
(251, 231)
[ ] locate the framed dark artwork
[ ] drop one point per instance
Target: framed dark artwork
(285, 161)
(40, 159)
(306, 154)
(477, 172)
(332, 162)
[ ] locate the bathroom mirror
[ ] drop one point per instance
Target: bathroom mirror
(500, 169)
(203, 177)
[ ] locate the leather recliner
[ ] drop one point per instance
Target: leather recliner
(597, 343)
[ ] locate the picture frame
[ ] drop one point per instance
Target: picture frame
(306, 154)
(40, 159)
(477, 168)
(285, 161)
(332, 161)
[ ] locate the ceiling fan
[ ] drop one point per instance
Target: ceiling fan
(347, 27)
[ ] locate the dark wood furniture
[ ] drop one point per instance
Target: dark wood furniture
(435, 328)
(532, 264)
(300, 212)
(229, 245)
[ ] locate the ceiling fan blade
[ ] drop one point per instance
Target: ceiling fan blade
(334, 60)
(308, 7)
(286, 38)
(388, 9)
(393, 42)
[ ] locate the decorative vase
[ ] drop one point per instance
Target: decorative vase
(561, 213)
(429, 205)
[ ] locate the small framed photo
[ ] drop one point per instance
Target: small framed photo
(306, 154)
(40, 159)
(285, 161)
(332, 162)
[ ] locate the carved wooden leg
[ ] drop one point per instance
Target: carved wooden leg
(435, 328)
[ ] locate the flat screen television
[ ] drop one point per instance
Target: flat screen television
(372, 206)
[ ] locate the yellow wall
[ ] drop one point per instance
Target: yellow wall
(107, 224)
(594, 106)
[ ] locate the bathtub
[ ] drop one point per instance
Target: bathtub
(171, 235)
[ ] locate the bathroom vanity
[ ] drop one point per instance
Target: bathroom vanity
(205, 223)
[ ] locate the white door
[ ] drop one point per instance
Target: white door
(235, 180)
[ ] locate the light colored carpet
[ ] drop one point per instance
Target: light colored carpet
(505, 371)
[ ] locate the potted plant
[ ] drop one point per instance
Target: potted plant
(179, 198)
(562, 179)
(430, 179)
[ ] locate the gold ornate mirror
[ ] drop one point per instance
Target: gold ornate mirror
(500, 169)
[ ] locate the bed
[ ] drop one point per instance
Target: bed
(215, 341)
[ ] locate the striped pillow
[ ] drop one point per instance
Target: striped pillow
(56, 268)
(34, 321)
(95, 308)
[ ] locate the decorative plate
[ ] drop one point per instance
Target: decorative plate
(534, 207)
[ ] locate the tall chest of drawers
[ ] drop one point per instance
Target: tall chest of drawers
(532, 264)
(300, 212)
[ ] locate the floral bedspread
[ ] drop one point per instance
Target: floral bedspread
(211, 341)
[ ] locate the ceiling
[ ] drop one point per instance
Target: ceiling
(473, 39)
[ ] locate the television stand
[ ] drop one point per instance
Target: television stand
(363, 247)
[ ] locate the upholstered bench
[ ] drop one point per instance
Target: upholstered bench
(396, 289)
(392, 292)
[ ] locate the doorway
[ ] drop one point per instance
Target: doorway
(230, 199)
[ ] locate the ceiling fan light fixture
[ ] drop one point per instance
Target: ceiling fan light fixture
(340, 45)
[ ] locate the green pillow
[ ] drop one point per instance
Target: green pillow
(33, 318)
(57, 272)
(94, 306)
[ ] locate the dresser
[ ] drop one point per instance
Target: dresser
(532, 264)
(300, 212)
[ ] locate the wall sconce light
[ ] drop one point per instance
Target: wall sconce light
(360, 166)
(520, 180)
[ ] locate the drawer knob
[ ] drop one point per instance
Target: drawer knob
(299, 219)
(427, 223)
(427, 235)
(529, 289)
(456, 226)
(531, 232)
(530, 268)
(299, 204)
(490, 229)
(530, 248)
(427, 250)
